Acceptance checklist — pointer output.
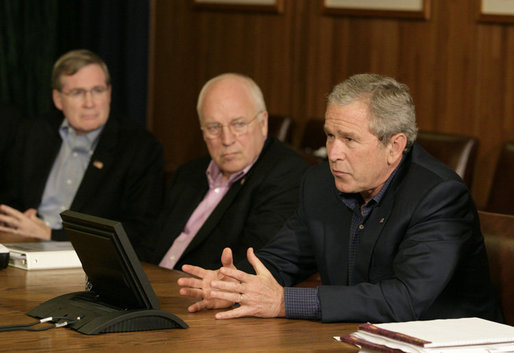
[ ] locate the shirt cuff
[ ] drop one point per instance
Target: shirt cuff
(302, 303)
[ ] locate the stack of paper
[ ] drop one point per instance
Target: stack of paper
(43, 255)
(469, 335)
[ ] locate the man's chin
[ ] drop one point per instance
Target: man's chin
(344, 187)
(232, 168)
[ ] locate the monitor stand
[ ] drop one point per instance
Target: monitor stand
(97, 317)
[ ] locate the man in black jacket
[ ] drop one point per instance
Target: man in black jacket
(82, 158)
(240, 194)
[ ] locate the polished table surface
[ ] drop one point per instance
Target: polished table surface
(22, 290)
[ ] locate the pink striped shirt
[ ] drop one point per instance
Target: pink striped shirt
(217, 190)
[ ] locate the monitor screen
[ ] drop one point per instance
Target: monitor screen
(109, 261)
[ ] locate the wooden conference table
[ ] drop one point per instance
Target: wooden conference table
(22, 290)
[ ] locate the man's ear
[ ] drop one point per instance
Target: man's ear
(264, 123)
(397, 145)
(57, 97)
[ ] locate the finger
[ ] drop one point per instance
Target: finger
(190, 282)
(198, 306)
(191, 292)
(233, 297)
(194, 270)
(31, 212)
(9, 221)
(7, 229)
(227, 259)
(257, 265)
(236, 274)
(232, 314)
(11, 211)
(225, 286)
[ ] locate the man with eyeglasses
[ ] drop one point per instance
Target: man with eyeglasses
(83, 158)
(240, 194)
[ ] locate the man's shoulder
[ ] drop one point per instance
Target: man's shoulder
(421, 175)
(277, 154)
(426, 168)
(128, 132)
(194, 166)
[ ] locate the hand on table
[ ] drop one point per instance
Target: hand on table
(26, 224)
(200, 287)
(258, 295)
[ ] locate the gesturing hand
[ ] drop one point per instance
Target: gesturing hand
(258, 295)
(200, 287)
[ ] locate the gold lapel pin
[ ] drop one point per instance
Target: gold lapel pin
(382, 220)
(98, 164)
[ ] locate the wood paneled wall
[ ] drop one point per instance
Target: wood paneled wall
(460, 71)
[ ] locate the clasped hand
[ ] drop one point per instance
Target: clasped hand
(257, 295)
(26, 224)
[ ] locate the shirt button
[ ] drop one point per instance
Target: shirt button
(217, 190)
(172, 257)
(75, 154)
(361, 227)
(68, 181)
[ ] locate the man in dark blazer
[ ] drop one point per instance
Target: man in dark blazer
(120, 174)
(393, 232)
(239, 195)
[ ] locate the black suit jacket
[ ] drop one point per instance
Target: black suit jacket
(10, 118)
(124, 180)
(251, 212)
(421, 254)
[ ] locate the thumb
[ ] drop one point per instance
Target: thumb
(31, 212)
(227, 259)
(257, 265)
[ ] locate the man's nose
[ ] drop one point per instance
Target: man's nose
(336, 151)
(87, 99)
(227, 136)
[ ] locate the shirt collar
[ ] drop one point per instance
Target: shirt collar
(91, 138)
(355, 199)
(214, 175)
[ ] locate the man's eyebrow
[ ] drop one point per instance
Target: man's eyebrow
(338, 132)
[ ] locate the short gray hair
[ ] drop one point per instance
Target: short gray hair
(253, 88)
(391, 108)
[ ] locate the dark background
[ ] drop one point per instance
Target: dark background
(33, 34)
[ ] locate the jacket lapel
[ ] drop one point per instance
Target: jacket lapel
(336, 239)
(375, 225)
(217, 214)
(226, 202)
(101, 161)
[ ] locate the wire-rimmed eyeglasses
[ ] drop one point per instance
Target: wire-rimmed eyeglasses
(236, 127)
(77, 93)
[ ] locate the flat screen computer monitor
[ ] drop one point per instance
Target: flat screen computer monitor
(109, 261)
(117, 283)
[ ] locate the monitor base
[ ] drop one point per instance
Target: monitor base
(97, 317)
